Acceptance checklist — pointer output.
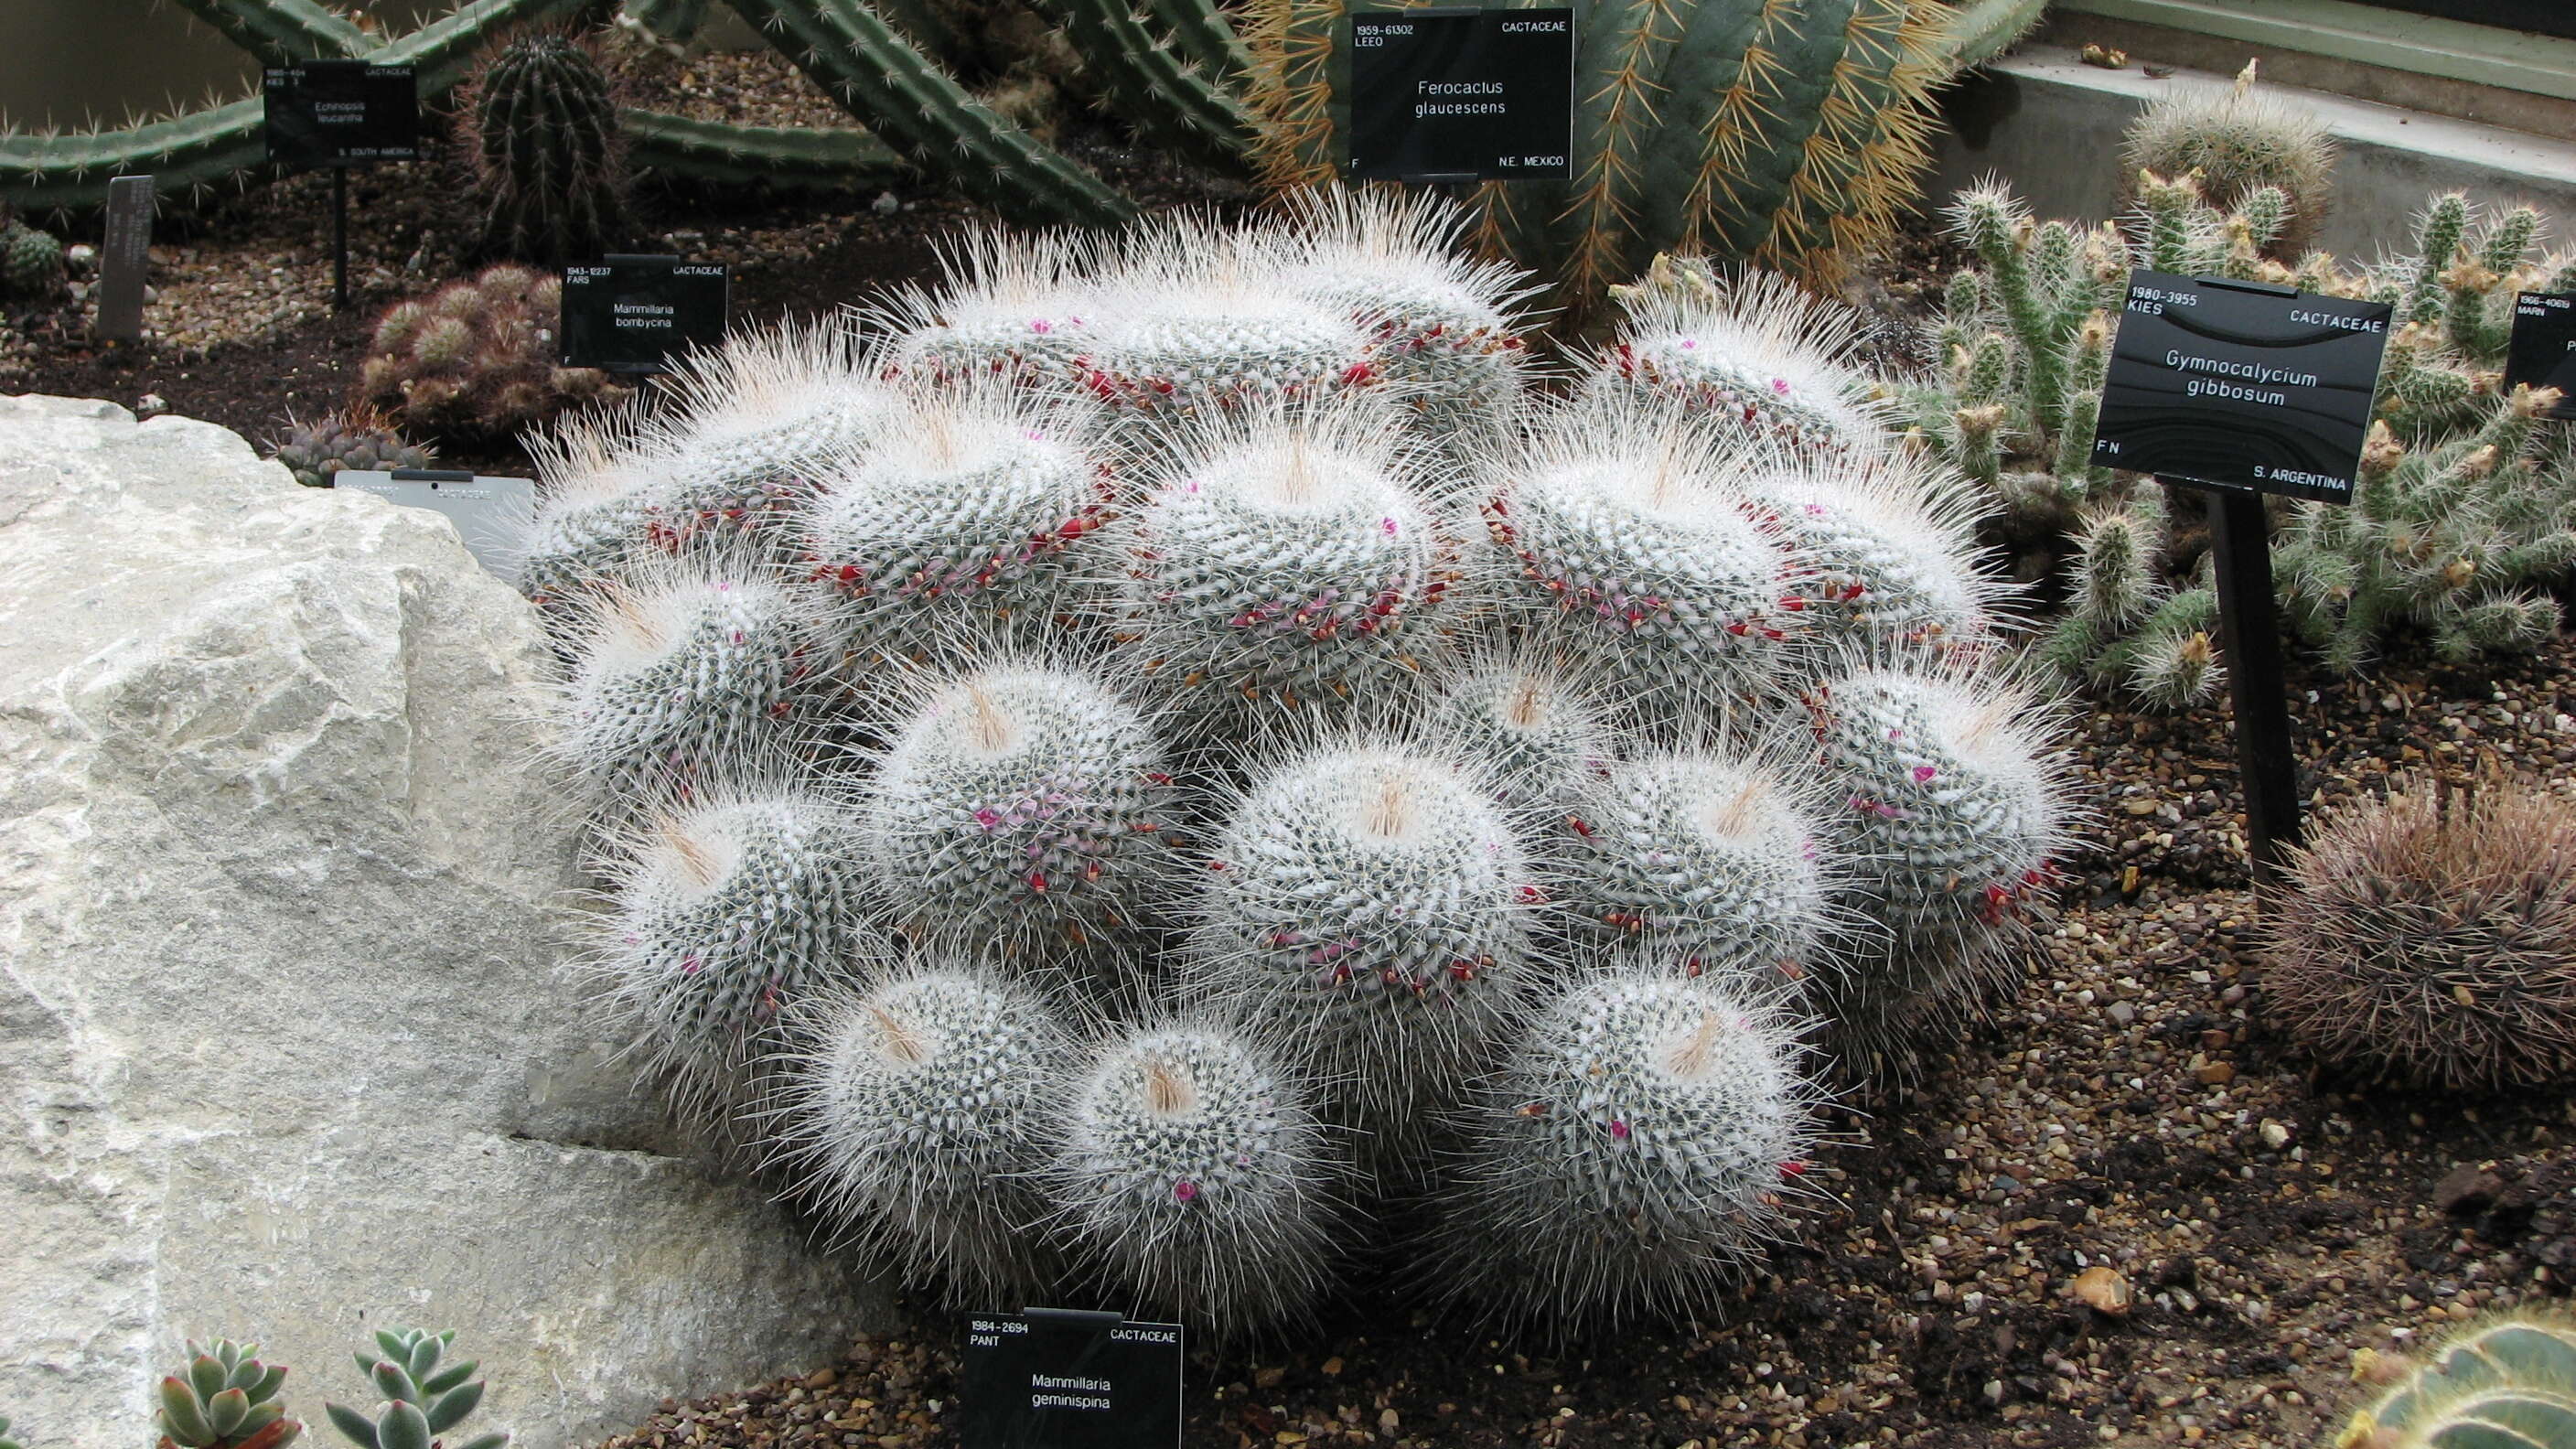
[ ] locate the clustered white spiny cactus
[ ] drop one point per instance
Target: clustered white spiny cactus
(1302, 767)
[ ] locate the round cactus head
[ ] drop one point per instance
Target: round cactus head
(955, 529)
(720, 913)
(1632, 1155)
(1287, 565)
(1015, 306)
(1891, 546)
(1754, 354)
(1372, 901)
(758, 421)
(1631, 538)
(2240, 140)
(599, 508)
(691, 670)
(1536, 726)
(916, 1115)
(1190, 1168)
(1711, 860)
(1019, 809)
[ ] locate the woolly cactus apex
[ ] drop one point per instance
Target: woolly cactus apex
(761, 418)
(1188, 334)
(1373, 902)
(1631, 1157)
(2429, 939)
(1632, 539)
(1712, 860)
(1287, 564)
(598, 513)
(1447, 325)
(2240, 141)
(1891, 544)
(915, 1117)
(1538, 729)
(1946, 796)
(1754, 353)
(718, 914)
(2509, 1383)
(1018, 810)
(1014, 305)
(1190, 1167)
(956, 527)
(689, 669)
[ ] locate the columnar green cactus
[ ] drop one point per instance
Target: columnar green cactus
(917, 1116)
(355, 437)
(1374, 903)
(1190, 1167)
(1288, 564)
(960, 525)
(719, 914)
(2509, 1383)
(1631, 1155)
(547, 158)
(1018, 811)
(2239, 141)
(31, 262)
(227, 1399)
(1751, 352)
(422, 1399)
(1536, 728)
(477, 358)
(1706, 859)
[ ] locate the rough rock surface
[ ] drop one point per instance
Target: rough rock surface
(286, 1048)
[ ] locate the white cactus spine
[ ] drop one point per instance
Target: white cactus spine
(1754, 355)
(1537, 728)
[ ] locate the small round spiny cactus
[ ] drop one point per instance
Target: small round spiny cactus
(1537, 728)
(1632, 1155)
(1190, 1167)
(1289, 563)
(1753, 354)
(1891, 545)
(916, 1116)
(719, 914)
(2509, 1383)
(31, 262)
(1013, 306)
(761, 420)
(355, 438)
(598, 515)
(2240, 140)
(1707, 859)
(1631, 538)
(1020, 809)
(1373, 902)
(956, 527)
(478, 357)
(690, 668)
(2432, 939)
(1197, 324)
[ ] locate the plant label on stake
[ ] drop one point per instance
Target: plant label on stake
(2246, 389)
(2543, 350)
(1460, 94)
(340, 113)
(1052, 1378)
(634, 314)
(124, 258)
(492, 515)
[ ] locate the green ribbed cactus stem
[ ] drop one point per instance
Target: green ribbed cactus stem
(547, 156)
(670, 24)
(1538, 728)
(282, 32)
(916, 1114)
(1754, 352)
(1019, 810)
(1631, 1157)
(687, 148)
(1191, 1169)
(2509, 1383)
(225, 1399)
(1166, 93)
(424, 1396)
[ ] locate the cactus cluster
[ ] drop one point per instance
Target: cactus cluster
(1239, 839)
(546, 153)
(2238, 140)
(31, 263)
(225, 1399)
(355, 437)
(476, 358)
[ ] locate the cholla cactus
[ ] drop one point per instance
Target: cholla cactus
(1949, 800)
(692, 667)
(422, 1399)
(1633, 540)
(2509, 1383)
(1538, 729)
(2123, 626)
(2453, 297)
(227, 1399)
(2238, 141)
(1372, 902)
(1019, 809)
(717, 915)
(356, 437)
(1288, 564)
(1707, 859)
(1754, 353)
(477, 358)
(1190, 1167)
(916, 1117)
(955, 529)
(1447, 327)
(1631, 1156)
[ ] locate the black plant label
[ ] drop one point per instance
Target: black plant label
(1460, 94)
(2241, 385)
(2543, 350)
(341, 113)
(1046, 1379)
(635, 315)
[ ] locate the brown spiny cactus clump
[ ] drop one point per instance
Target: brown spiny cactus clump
(2431, 938)
(477, 358)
